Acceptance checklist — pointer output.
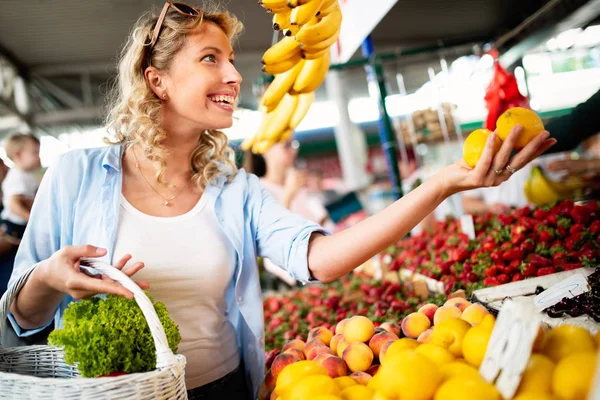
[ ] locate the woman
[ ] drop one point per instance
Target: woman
(167, 192)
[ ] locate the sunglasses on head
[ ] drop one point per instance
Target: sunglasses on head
(181, 8)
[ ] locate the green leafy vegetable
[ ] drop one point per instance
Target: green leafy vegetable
(110, 334)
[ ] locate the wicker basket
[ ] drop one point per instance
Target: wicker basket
(39, 372)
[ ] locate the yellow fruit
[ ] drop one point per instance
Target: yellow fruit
(475, 343)
(467, 388)
(294, 372)
(537, 377)
(573, 375)
(598, 338)
(450, 334)
(327, 397)
(475, 143)
(458, 369)
(359, 329)
(531, 123)
(357, 392)
(398, 347)
(534, 396)
(438, 354)
(408, 375)
(538, 189)
(566, 340)
(311, 386)
(344, 381)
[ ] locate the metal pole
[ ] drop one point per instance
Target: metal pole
(409, 119)
(376, 79)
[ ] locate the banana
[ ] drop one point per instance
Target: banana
(303, 13)
(324, 29)
(291, 31)
(305, 100)
(279, 118)
(538, 189)
(328, 7)
(281, 20)
(273, 3)
(322, 45)
(312, 74)
(314, 56)
(281, 85)
(296, 3)
(287, 134)
(280, 51)
(285, 65)
(248, 143)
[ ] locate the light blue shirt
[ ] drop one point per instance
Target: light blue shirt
(78, 203)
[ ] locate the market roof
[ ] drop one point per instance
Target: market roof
(68, 48)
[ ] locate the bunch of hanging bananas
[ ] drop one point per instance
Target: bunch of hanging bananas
(541, 190)
(299, 62)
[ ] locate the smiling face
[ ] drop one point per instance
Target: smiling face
(201, 84)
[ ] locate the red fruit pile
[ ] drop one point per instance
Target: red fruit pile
(292, 314)
(508, 247)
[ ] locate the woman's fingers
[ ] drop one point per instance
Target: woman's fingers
(81, 286)
(135, 268)
(487, 156)
(74, 253)
(534, 148)
(503, 155)
(143, 285)
(123, 261)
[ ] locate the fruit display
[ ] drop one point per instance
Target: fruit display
(436, 355)
(531, 126)
(110, 335)
(508, 247)
(586, 303)
(290, 315)
(299, 62)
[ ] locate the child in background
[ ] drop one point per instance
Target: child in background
(20, 185)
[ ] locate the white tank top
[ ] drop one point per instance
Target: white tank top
(189, 263)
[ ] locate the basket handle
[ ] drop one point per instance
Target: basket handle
(164, 356)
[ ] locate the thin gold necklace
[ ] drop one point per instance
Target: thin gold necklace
(167, 201)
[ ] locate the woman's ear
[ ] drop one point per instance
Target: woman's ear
(156, 82)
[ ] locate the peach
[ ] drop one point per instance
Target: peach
(459, 302)
(321, 333)
(359, 329)
(362, 378)
(342, 344)
(315, 351)
(379, 339)
(391, 327)
(296, 344)
(429, 310)
(358, 356)
(397, 347)
(383, 349)
(334, 365)
(446, 312)
(425, 336)
(270, 381)
(282, 361)
(373, 369)
(310, 344)
(414, 324)
(335, 340)
(295, 352)
(474, 313)
(339, 328)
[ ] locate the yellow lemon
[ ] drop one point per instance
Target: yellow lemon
(311, 386)
(531, 123)
(357, 392)
(475, 343)
(344, 381)
(537, 377)
(566, 340)
(475, 143)
(435, 353)
(294, 372)
(573, 375)
(533, 396)
(450, 334)
(398, 347)
(327, 397)
(458, 369)
(407, 375)
(466, 388)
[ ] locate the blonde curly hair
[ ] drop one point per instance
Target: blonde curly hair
(134, 110)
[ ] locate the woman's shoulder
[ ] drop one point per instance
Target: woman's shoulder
(89, 159)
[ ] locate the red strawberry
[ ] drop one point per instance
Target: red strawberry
(570, 243)
(517, 277)
(571, 266)
(529, 270)
(565, 207)
(527, 246)
(552, 219)
(506, 219)
(540, 214)
(522, 212)
(539, 261)
(545, 236)
(502, 279)
(492, 271)
(580, 214)
(518, 238)
(559, 259)
(490, 281)
(496, 256)
(576, 229)
(513, 254)
(546, 271)
(562, 231)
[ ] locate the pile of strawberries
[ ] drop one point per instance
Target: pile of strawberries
(290, 315)
(508, 247)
